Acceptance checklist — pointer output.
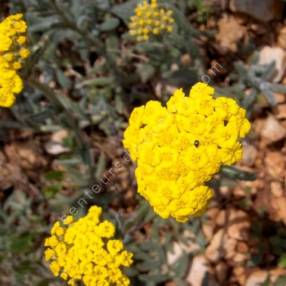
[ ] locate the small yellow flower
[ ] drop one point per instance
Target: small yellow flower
(21, 40)
(12, 53)
(83, 250)
(49, 254)
(24, 53)
(150, 19)
(114, 246)
(68, 220)
(55, 268)
(179, 148)
(16, 65)
(8, 57)
(64, 276)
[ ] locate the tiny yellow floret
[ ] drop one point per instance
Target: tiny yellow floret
(180, 147)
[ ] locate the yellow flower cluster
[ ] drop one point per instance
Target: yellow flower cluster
(180, 147)
(12, 53)
(150, 19)
(83, 250)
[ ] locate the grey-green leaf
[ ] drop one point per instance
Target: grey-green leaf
(146, 71)
(125, 10)
(109, 24)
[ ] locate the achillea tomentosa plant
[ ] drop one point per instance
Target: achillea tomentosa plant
(150, 19)
(13, 51)
(84, 251)
(179, 148)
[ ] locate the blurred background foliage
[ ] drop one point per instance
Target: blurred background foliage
(84, 76)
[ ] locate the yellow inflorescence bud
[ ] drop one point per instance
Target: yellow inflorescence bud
(150, 19)
(180, 147)
(84, 251)
(12, 53)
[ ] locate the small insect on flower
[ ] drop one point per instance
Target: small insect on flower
(85, 250)
(150, 19)
(180, 147)
(13, 51)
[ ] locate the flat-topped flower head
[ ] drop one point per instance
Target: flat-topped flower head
(85, 250)
(150, 20)
(180, 147)
(13, 52)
